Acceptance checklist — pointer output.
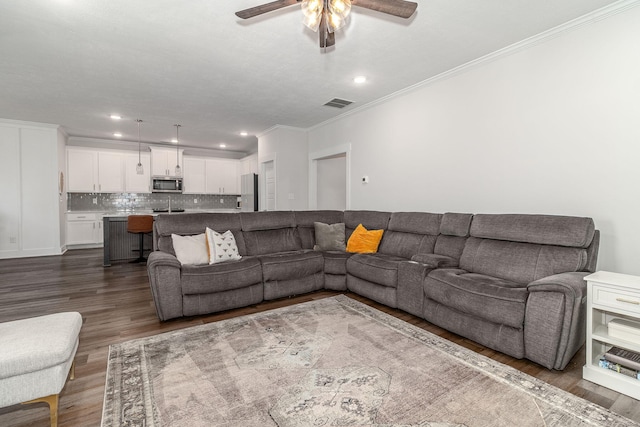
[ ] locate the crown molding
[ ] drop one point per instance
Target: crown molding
(75, 141)
(280, 127)
(26, 124)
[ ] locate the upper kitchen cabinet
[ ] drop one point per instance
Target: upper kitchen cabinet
(222, 176)
(91, 171)
(163, 161)
(249, 164)
(133, 182)
(110, 172)
(195, 175)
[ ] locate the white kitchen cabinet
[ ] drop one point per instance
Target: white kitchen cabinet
(82, 170)
(110, 172)
(249, 164)
(610, 296)
(93, 171)
(222, 176)
(84, 229)
(163, 161)
(134, 183)
(195, 175)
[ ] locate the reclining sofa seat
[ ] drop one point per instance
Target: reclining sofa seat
(287, 268)
(519, 287)
(406, 234)
(187, 290)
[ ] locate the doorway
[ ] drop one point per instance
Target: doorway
(329, 172)
(332, 182)
(269, 173)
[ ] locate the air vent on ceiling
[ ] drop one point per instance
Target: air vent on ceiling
(338, 103)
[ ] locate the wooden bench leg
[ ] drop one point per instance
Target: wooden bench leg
(52, 401)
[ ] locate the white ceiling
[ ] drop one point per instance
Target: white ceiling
(74, 62)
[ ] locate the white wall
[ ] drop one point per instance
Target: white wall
(30, 222)
(288, 148)
(554, 128)
(331, 181)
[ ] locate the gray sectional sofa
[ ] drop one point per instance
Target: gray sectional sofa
(513, 283)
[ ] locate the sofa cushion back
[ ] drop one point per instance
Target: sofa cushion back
(524, 248)
(520, 262)
(541, 229)
(252, 221)
(454, 231)
(269, 232)
(306, 229)
(410, 233)
(195, 223)
(372, 220)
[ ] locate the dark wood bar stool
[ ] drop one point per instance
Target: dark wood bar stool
(141, 225)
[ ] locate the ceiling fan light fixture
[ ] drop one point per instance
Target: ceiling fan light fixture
(339, 7)
(312, 7)
(335, 22)
(312, 21)
(335, 13)
(326, 16)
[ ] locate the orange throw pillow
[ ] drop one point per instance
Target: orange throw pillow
(363, 241)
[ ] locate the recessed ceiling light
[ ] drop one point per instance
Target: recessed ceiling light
(223, 145)
(117, 135)
(175, 141)
(243, 133)
(115, 117)
(360, 79)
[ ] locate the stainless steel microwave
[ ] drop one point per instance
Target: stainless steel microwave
(165, 184)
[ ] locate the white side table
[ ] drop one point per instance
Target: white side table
(610, 296)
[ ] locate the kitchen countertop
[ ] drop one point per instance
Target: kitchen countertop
(115, 214)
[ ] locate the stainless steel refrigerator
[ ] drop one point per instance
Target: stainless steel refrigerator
(249, 192)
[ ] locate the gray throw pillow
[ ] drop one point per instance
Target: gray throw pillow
(329, 237)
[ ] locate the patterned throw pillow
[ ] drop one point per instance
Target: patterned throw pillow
(222, 247)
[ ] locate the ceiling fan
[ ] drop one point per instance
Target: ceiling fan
(327, 16)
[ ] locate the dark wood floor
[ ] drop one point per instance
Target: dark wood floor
(116, 306)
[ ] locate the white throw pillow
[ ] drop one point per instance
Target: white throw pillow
(222, 247)
(191, 249)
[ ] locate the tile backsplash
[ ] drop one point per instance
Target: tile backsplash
(110, 202)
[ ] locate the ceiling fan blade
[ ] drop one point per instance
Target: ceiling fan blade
(264, 8)
(401, 8)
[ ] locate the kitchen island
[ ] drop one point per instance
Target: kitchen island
(120, 245)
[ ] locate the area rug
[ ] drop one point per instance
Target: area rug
(330, 362)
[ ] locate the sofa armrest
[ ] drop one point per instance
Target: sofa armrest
(435, 260)
(410, 294)
(164, 277)
(555, 319)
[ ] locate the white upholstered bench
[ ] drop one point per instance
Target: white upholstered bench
(36, 356)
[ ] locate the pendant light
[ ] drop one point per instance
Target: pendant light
(139, 168)
(178, 170)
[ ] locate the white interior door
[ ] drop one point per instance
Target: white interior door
(270, 185)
